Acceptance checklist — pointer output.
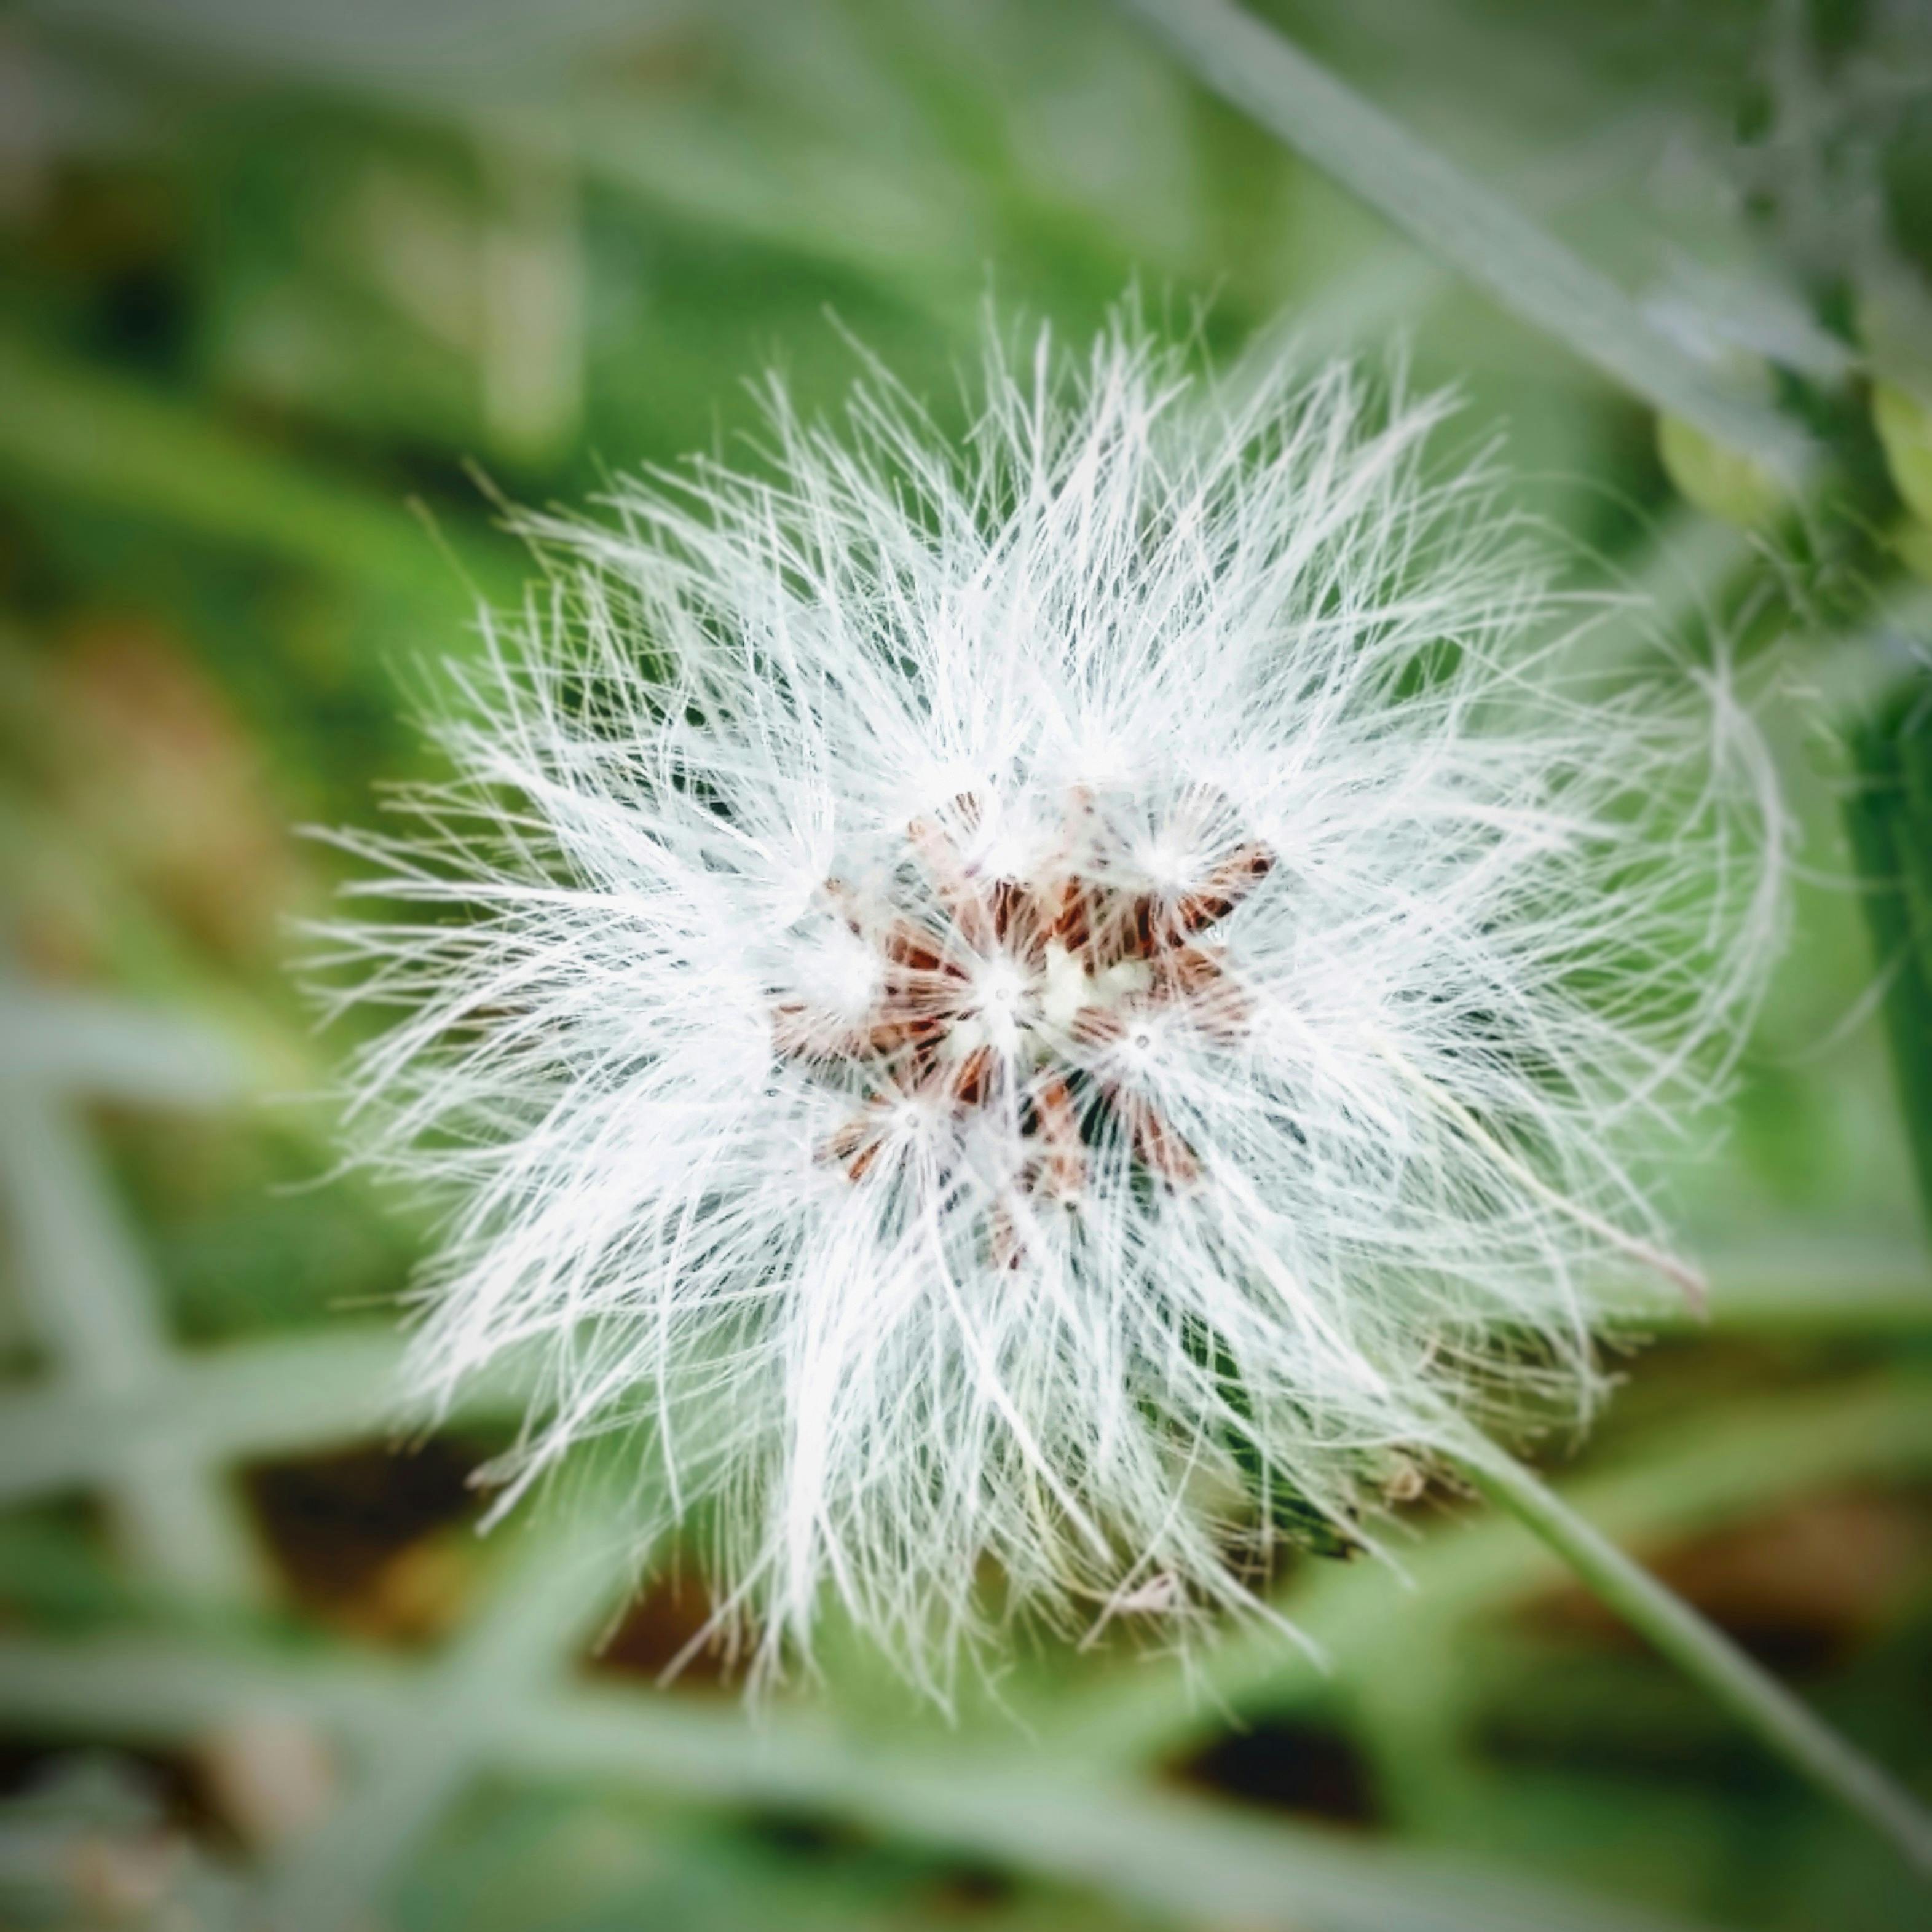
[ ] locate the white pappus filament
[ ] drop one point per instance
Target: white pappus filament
(1027, 1020)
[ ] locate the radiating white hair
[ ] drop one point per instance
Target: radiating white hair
(1032, 1019)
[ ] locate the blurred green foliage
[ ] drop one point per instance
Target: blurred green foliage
(1889, 813)
(290, 299)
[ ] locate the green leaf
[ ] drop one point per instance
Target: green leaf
(1889, 820)
(1904, 426)
(1734, 488)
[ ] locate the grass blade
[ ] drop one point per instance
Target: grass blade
(1527, 271)
(1889, 820)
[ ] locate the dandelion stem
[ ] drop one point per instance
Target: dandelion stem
(1810, 1746)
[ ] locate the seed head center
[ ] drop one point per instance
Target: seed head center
(1033, 1001)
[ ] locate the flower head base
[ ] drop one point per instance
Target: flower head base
(1071, 1006)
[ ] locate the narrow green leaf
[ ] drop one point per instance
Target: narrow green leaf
(1528, 271)
(1888, 820)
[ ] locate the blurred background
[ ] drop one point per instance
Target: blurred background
(291, 298)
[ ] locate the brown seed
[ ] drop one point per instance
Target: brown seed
(1226, 885)
(1158, 1144)
(1068, 917)
(1013, 919)
(1195, 977)
(1064, 1169)
(1097, 1026)
(964, 897)
(1008, 1251)
(910, 945)
(857, 1145)
(972, 1079)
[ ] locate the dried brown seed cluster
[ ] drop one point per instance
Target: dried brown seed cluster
(1023, 993)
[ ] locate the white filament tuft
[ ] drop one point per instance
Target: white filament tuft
(1028, 1022)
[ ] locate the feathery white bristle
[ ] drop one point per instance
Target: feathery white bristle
(1048, 1002)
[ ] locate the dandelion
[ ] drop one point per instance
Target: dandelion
(1033, 1022)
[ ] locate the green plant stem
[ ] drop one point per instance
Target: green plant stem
(1703, 1476)
(1699, 1647)
(1527, 270)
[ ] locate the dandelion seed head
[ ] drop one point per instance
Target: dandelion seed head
(1064, 1003)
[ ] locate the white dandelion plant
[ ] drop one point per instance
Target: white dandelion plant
(1033, 1020)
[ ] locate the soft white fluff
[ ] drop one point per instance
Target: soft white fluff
(1065, 1000)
